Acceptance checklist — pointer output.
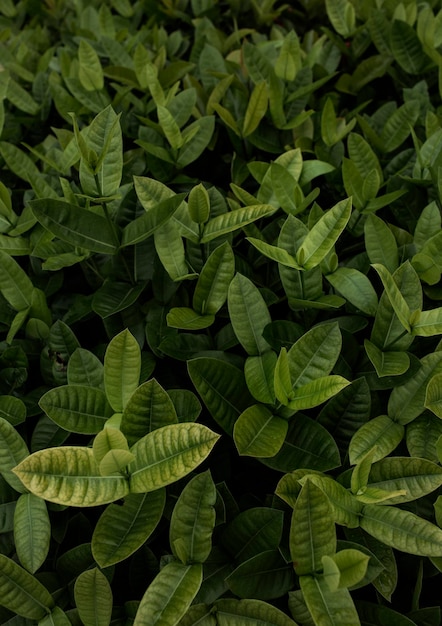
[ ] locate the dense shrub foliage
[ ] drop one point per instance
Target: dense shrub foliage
(220, 266)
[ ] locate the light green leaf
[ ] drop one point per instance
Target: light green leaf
(232, 612)
(316, 392)
(433, 395)
(169, 595)
(402, 530)
(122, 367)
(22, 593)
(93, 597)
(342, 16)
(328, 608)
(12, 450)
(312, 531)
(77, 408)
(428, 323)
(356, 288)
(229, 222)
(149, 408)
(75, 225)
(90, 71)
(352, 566)
(345, 507)
(170, 249)
(428, 225)
(199, 204)
(188, 319)
(258, 432)
(330, 573)
(214, 280)
(324, 234)
(122, 529)
(289, 60)
(69, 475)
(170, 127)
(275, 253)
(196, 137)
(256, 108)
(193, 520)
(248, 314)
(106, 440)
(380, 243)
(387, 363)
(381, 433)
(115, 462)
(32, 531)
(282, 380)
(57, 617)
(168, 454)
(360, 473)
(259, 374)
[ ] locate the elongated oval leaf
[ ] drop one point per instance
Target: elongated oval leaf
(316, 392)
(169, 595)
(168, 454)
(122, 529)
(21, 593)
(122, 367)
(264, 576)
(259, 373)
(229, 222)
(380, 432)
(93, 597)
(90, 72)
(417, 477)
(144, 226)
(380, 243)
(32, 531)
(252, 532)
(328, 608)
(69, 475)
(75, 225)
(248, 314)
(15, 285)
(84, 368)
(77, 408)
(232, 612)
(324, 234)
(12, 450)
(213, 282)
(344, 505)
(312, 532)
(402, 530)
(258, 432)
(356, 288)
(193, 520)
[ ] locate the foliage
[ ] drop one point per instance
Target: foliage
(220, 279)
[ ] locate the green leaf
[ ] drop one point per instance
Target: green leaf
(406, 47)
(328, 608)
(149, 408)
(77, 408)
(333, 129)
(199, 204)
(312, 531)
(12, 409)
(360, 473)
(232, 612)
(193, 520)
(259, 374)
(324, 234)
(115, 462)
(407, 401)
(122, 529)
(122, 367)
(258, 432)
(32, 531)
(113, 297)
(248, 314)
(69, 475)
(12, 450)
(433, 395)
(56, 617)
(75, 225)
(15, 286)
(342, 16)
(381, 433)
(106, 440)
(168, 454)
(380, 243)
(229, 222)
(197, 137)
(399, 125)
(187, 319)
(214, 280)
(144, 226)
(93, 597)
(275, 253)
(387, 363)
(21, 593)
(84, 368)
(345, 507)
(352, 566)
(428, 323)
(416, 477)
(90, 72)
(170, 127)
(252, 532)
(316, 392)
(355, 287)
(222, 388)
(256, 108)
(263, 576)
(289, 60)
(401, 530)
(395, 296)
(169, 595)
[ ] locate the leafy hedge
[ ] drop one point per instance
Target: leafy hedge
(220, 266)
